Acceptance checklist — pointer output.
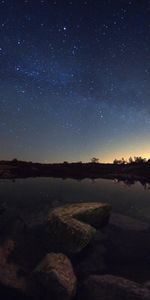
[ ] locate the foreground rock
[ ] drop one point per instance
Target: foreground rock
(127, 240)
(70, 228)
(128, 247)
(108, 287)
(94, 263)
(92, 259)
(9, 272)
(147, 284)
(54, 278)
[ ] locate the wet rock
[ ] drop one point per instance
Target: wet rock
(91, 260)
(147, 284)
(108, 287)
(54, 278)
(28, 250)
(127, 241)
(9, 272)
(11, 225)
(20, 251)
(71, 228)
(94, 263)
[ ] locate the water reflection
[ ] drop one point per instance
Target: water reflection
(129, 182)
(33, 198)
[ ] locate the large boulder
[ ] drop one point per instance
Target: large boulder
(54, 278)
(70, 228)
(10, 272)
(127, 240)
(108, 287)
(92, 263)
(92, 259)
(128, 247)
(147, 284)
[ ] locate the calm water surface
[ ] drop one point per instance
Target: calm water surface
(33, 198)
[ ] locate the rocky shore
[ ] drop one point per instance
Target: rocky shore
(126, 172)
(82, 251)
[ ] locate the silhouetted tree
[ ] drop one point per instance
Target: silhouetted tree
(131, 160)
(95, 160)
(121, 161)
(139, 160)
(115, 162)
(14, 161)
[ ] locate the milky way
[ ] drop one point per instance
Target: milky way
(74, 79)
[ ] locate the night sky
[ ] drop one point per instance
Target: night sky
(74, 79)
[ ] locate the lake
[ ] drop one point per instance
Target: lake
(33, 198)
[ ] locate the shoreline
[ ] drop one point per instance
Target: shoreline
(123, 172)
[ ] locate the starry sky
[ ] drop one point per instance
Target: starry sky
(74, 79)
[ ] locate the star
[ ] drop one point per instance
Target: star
(80, 67)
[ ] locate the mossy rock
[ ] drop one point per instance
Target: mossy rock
(70, 228)
(109, 287)
(54, 278)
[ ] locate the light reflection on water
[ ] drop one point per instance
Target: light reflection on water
(33, 198)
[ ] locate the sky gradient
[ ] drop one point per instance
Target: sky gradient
(74, 79)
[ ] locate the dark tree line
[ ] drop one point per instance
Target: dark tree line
(131, 160)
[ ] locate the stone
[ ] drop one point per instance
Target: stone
(70, 228)
(127, 242)
(54, 278)
(92, 259)
(128, 247)
(147, 284)
(109, 287)
(9, 272)
(94, 263)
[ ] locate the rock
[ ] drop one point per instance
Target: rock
(127, 242)
(108, 287)
(147, 284)
(11, 225)
(92, 259)
(70, 228)
(94, 263)
(9, 272)
(54, 278)
(19, 253)
(127, 248)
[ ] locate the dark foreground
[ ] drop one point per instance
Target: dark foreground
(82, 251)
(19, 169)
